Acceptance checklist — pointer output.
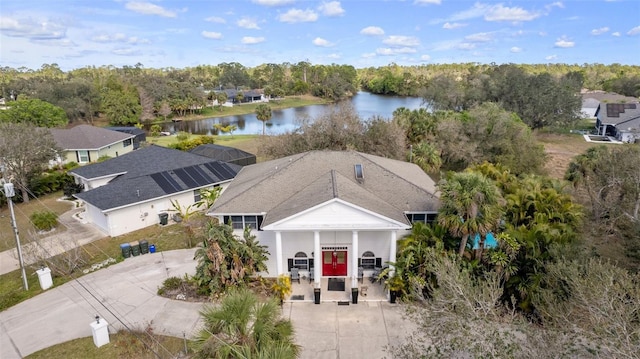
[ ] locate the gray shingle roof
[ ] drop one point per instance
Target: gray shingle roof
(86, 137)
(149, 173)
(624, 114)
(283, 187)
(225, 154)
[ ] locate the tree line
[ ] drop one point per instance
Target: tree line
(134, 94)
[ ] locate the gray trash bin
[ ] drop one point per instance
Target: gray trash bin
(144, 246)
(164, 218)
(126, 250)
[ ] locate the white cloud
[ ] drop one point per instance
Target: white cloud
(466, 46)
(453, 25)
(634, 31)
(386, 51)
(435, 2)
(216, 19)
(297, 15)
(332, 8)
(54, 42)
(32, 29)
(396, 40)
(273, 2)
(615, 34)
(248, 23)
(119, 37)
(564, 43)
(496, 12)
(542, 33)
(147, 8)
(425, 58)
(211, 35)
(479, 37)
(503, 13)
(551, 57)
(372, 30)
(515, 49)
(369, 55)
(557, 4)
(318, 41)
(125, 52)
(599, 31)
(334, 56)
(250, 40)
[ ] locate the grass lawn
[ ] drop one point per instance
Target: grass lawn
(122, 345)
(561, 149)
(23, 211)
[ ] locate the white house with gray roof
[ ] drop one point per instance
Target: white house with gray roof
(131, 191)
(327, 213)
(619, 120)
(84, 143)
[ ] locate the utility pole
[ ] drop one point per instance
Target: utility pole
(9, 192)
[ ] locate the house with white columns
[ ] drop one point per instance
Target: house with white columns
(328, 213)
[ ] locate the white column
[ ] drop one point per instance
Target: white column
(317, 259)
(279, 253)
(354, 259)
(392, 251)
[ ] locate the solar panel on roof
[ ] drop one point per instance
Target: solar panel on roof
(214, 170)
(173, 182)
(185, 177)
(163, 183)
(196, 176)
(206, 177)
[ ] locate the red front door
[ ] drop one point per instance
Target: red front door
(334, 263)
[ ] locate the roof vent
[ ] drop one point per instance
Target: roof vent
(359, 172)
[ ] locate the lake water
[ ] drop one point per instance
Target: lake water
(366, 104)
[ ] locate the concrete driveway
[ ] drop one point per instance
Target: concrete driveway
(124, 294)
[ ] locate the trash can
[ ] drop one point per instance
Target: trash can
(354, 295)
(164, 218)
(126, 250)
(44, 277)
(144, 246)
(135, 248)
(316, 295)
(152, 248)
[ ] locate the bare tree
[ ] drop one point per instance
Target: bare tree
(25, 150)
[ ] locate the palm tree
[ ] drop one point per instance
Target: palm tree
(244, 327)
(471, 204)
(426, 157)
(263, 113)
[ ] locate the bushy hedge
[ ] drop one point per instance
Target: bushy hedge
(45, 220)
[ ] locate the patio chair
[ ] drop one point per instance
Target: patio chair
(376, 273)
(295, 274)
(360, 274)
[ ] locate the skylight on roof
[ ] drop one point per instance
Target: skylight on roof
(359, 172)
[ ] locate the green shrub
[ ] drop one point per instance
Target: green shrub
(172, 283)
(45, 220)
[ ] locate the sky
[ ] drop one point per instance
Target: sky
(362, 33)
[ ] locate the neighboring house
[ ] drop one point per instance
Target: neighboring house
(140, 135)
(329, 212)
(84, 143)
(133, 191)
(247, 96)
(619, 120)
(225, 154)
(592, 99)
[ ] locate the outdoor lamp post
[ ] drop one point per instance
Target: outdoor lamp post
(9, 192)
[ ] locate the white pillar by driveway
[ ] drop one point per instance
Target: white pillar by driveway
(317, 259)
(279, 253)
(392, 251)
(354, 259)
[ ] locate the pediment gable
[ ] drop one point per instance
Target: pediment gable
(336, 214)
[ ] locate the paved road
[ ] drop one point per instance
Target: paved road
(125, 294)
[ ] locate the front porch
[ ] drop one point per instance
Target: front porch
(367, 291)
